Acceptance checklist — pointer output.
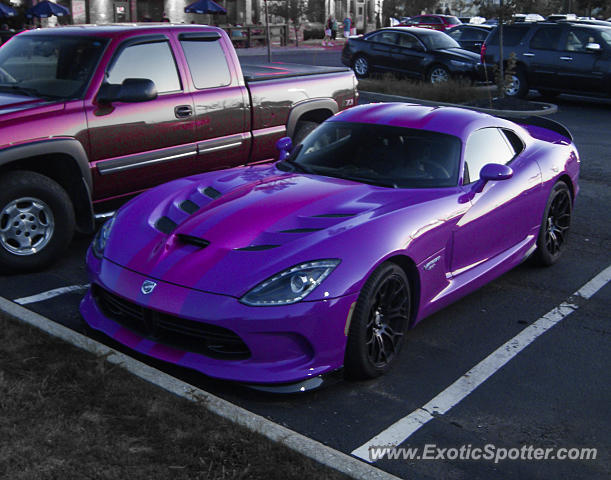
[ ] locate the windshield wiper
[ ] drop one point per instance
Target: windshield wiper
(371, 181)
(30, 92)
(296, 167)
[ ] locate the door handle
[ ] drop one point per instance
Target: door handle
(183, 111)
(567, 59)
(528, 54)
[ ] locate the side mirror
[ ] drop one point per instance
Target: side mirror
(284, 146)
(495, 171)
(593, 47)
(132, 90)
(491, 172)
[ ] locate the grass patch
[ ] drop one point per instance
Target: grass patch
(66, 414)
(452, 91)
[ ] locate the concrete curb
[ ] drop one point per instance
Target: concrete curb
(383, 97)
(295, 441)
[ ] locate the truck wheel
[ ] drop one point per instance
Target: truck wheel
(36, 221)
(302, 130)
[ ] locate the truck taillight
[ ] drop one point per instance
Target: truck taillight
(482, 53)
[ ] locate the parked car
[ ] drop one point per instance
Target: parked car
(86, 118)
(470, 37)
(415, 52)
(527, 17)
(434, 22)
(279, 273)
(554, 57)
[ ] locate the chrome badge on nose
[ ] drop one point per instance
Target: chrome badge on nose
(147, 286)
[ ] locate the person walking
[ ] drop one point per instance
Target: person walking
(326, 41)
(347, 26)
(334, 30)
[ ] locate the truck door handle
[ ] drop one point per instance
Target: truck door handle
(567, 59)
(527, 54)
(183, 111)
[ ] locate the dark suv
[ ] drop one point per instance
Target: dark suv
(554, 57)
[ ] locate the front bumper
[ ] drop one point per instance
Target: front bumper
(285, 343)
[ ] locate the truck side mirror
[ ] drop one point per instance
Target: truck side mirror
(284, 146)
(132, 90)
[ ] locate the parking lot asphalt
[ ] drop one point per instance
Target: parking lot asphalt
(555, 393)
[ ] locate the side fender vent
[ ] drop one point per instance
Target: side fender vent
(301, 230)
(335, 215)
(165, 225)
(191, 240)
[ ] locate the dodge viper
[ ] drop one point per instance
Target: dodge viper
(281, 272)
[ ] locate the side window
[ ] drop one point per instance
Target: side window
(147, 60)
(577, 40)
(406, 40)
(487, 145)
(207, 63)
(515, 141)
(546, 38)
(457, 34)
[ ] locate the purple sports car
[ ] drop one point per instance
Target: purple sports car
(281, 272)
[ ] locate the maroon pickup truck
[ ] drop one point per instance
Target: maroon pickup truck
(92, 115)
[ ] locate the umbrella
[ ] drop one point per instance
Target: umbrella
(45, 9)
(205, 6)
(6, 11)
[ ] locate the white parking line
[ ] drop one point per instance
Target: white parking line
(402, 429)
(39, 297)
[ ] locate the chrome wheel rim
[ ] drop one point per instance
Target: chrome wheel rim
(557, 223)
(387, 318)
(513, 86)
(26, 226)
(439, 75)
(361, 66)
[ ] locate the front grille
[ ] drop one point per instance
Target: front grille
(210, 340)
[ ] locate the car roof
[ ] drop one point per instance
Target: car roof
(459, 122)
(111, 30)
(418, 30)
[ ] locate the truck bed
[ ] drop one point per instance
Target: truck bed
(254, 73)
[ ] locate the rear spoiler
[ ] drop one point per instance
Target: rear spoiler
(542, 122)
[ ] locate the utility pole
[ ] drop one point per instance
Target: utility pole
(267, 34)
(502, 60)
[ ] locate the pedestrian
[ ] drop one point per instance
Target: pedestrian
(347, 25)
(326, 41)
(334, 30)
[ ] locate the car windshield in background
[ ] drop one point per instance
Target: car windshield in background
(393, 157)
(439, 42)
(49, 66)
(606, 36)
(453, 21)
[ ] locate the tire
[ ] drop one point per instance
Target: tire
(438, 74)
(554, 230)
(360, 65)
(375, 337)
(303, 129)
(518, 85)
(36, 221)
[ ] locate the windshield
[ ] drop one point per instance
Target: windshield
(606, 36)
(392, 157)
(437, 42)
(49, 66)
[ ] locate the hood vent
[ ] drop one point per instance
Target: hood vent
(212, 192)
(165, 225)
(335, 215)
(256, 248)
(189, 207)
(191, 240)
(301, 230)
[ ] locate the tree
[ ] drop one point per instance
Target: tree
(294, 11)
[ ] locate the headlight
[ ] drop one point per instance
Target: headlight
(291, 285)
(100, 239)
(461, 64)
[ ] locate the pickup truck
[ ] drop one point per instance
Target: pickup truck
(92, 115)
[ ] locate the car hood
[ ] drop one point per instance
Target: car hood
(227, 231)
(10, 102)
(460, 54)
